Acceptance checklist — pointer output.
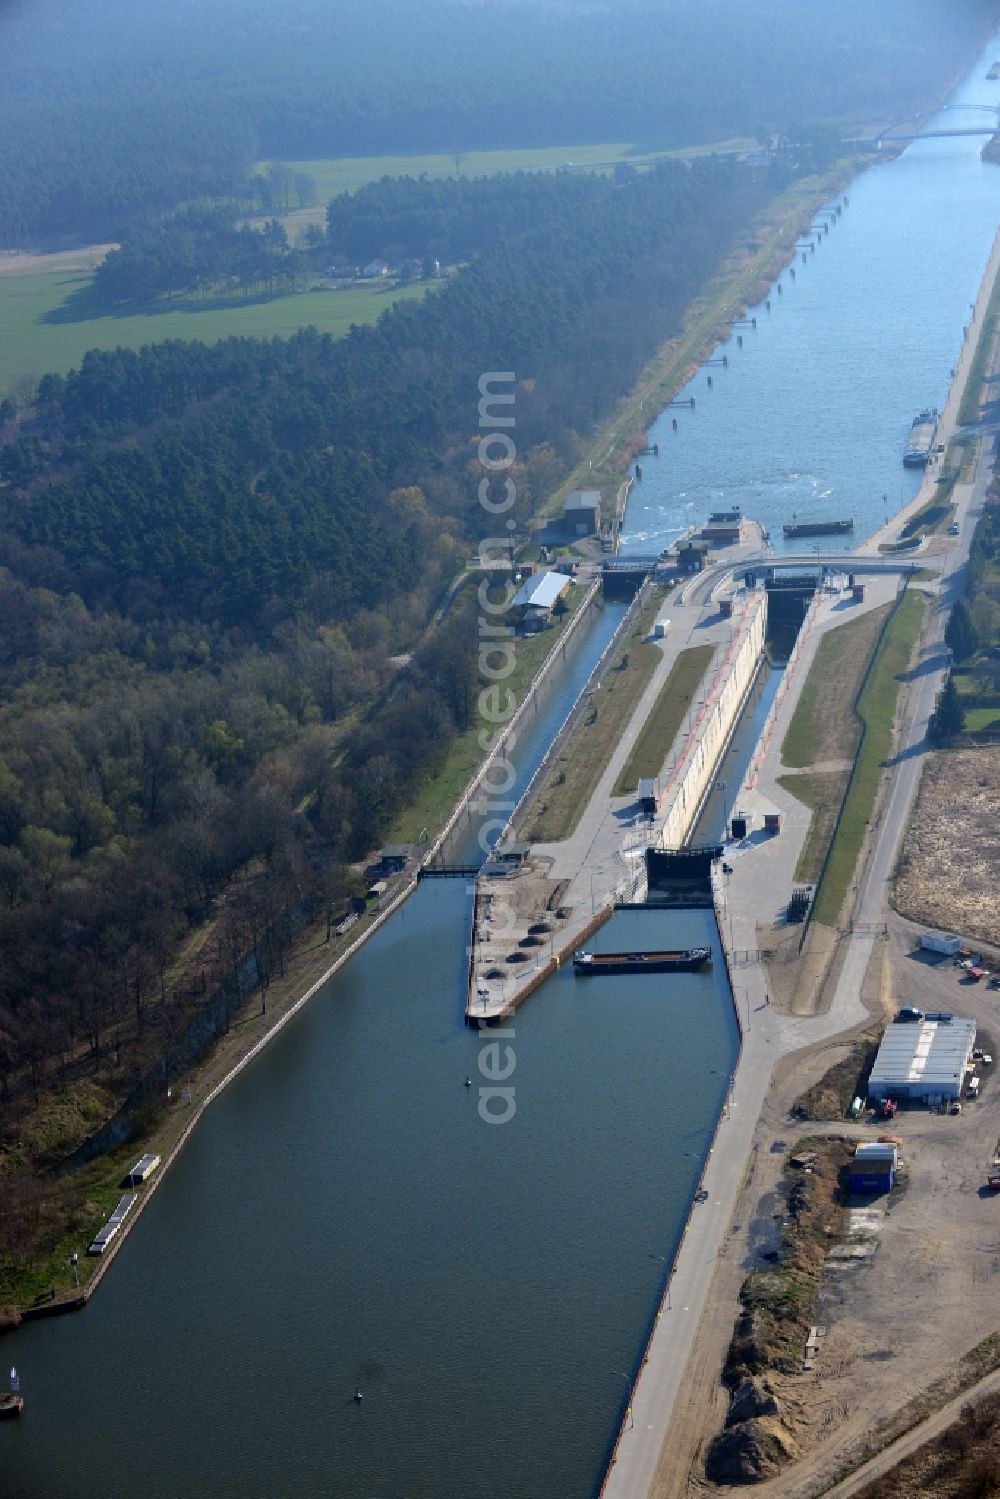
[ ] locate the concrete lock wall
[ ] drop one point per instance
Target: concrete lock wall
(732, 676)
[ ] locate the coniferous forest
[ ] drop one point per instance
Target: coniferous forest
(113, 113)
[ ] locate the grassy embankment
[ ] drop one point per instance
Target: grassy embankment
(970, 407)
(825, 730)
(660, 730)
(573, 776)
(877, 710)
(42, 336)
(963, 1462)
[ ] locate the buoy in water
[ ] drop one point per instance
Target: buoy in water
(358, 1397)
(468, 1082)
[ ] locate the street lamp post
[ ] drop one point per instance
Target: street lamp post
(628, 1382)
(664, 1261)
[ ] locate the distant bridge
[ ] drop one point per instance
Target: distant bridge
(895, 132)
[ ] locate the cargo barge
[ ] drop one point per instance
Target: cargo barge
(11, 1405)
(684, 960)
(921, 439)
(818, 528)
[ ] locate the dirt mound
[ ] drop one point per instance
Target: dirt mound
(751, 1398)
(750, 1452)
(748, 1350)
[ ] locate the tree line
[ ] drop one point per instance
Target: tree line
(451, 219)
(195, 252)
(114, 113)
(403, 220)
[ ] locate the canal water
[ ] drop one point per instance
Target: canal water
(343, 1218)
(811, 416)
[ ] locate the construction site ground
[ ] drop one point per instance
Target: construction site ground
(896, 1320)
(949, 873)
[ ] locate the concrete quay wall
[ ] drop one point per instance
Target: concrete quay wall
(690, 771)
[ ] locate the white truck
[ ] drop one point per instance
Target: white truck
(940, 942)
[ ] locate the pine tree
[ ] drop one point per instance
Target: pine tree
(960, 634)
(948, 718)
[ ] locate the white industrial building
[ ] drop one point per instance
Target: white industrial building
(537, 598)
(925, 1059)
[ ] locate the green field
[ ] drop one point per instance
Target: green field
(36, 342)
(660, 729)
(337, 174)
(979, 719)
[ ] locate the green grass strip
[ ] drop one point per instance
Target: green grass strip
(660, 729)
(822, 791)
(823, 725)
(877, 709)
